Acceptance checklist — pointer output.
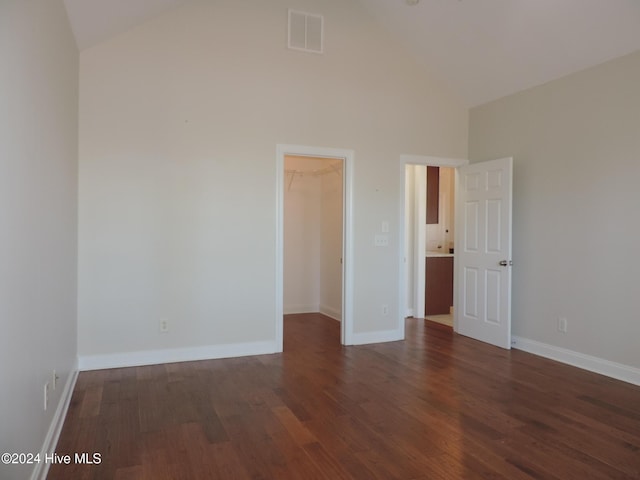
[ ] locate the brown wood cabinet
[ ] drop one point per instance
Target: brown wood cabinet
(433, 194)
(439, 285)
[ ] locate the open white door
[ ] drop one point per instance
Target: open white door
(483, 251)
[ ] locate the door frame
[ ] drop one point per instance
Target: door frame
(347, 156)
(430, 161)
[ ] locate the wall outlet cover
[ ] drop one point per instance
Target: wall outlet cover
(381, 240)
(164, 326)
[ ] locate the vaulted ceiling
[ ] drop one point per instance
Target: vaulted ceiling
(485, 49)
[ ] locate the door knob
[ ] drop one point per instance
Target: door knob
(504, 263)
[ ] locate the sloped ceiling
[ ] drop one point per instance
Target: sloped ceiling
(485, 49)
(94, 21)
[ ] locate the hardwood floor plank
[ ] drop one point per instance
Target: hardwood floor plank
(91, 402)
(229, 465)
(201, 462)
(296, 429)
(435, 406)
(325, 462)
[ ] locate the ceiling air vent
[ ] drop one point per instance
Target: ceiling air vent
(305, 31)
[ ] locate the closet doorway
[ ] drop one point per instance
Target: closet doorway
(314, 236)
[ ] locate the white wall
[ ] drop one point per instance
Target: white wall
(576, 148)
(302, 238)
(331, 185)
(180, 119)
(38, 218)
(313, 236)
(410, 236)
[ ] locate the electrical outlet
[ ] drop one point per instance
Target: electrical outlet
(562, 324)
(46, 395)
(381, 240)
(164, 326)
(385, 310)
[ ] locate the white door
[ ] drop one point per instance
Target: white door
(483, 251)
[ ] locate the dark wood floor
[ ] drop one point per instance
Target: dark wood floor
(436, 406)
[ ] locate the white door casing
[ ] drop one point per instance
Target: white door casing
(347, 156)
(483, 251)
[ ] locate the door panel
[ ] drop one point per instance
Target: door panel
(493, 296)
(470, 292)
(483, 231)
(472, 227)
(493, 226)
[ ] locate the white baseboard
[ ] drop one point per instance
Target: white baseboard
(173, 355)
(380, 336)
(615, 370)
(331, 312)
(302, 308)
(51, 440)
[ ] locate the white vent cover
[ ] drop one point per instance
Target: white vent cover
(305, 31)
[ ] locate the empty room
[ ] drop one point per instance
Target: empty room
(218, 239)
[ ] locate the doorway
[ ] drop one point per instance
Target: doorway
(439, 246)
(314, 274)
(313, 236)
(419, 239)
(482, 270)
